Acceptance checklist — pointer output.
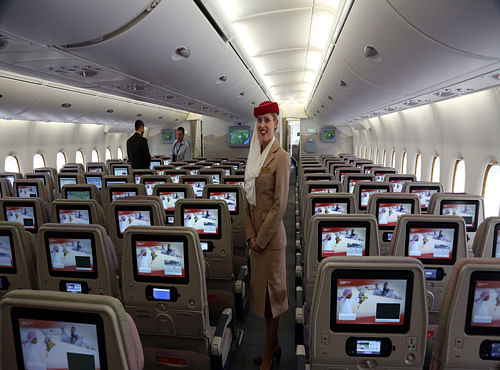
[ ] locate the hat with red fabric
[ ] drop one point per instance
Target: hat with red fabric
(266, 107)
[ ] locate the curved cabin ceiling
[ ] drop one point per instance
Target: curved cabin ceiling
(343, 61)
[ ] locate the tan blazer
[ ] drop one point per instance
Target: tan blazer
(264, 221)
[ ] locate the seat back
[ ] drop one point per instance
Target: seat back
(149, 182)
(159, 169)
(398, 181)
(175, 175)
(116, 191)
(67, 179)
(32, 213)
(351, 179)
(192, 169)
(5, 188)
(438, 241)
(198, 182)
(381, 172)
(96, 167)
(341, 171)
(77, 211)
(77, 167)
(424, 190)
(368, 312)
(111, 180)
(487, 241)
(46, 179)
(337, 235)
(137, 175)
(31, 189)
(169, 193)
(120, 169)
(233, 180)
(467, 337)
(470, 207)
(387, 207)
(364, 190)
(17, 262)
(37, 328)
(77, 259)
(95, 178)
(216, 175)
(81, 191)
(11, 176)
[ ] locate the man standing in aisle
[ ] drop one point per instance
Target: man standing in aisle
(181, 150)
(137, 148)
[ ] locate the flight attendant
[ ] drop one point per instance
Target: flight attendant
(266, 195)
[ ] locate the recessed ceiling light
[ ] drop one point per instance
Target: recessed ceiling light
(221, 80)
(252, 103)
(322, 105)
(137, 88)
(342, 83)
(139, 114)
(1, 96)
(161, 117)
(411, 103)
(445, 93)
(168, 97)
(88, 73)
(370, 51)
(189, 103)
(3, 43)
(330, 97)
(66, 105)
(181, 53)
(110, 111)
(241, 94)
(391, 109)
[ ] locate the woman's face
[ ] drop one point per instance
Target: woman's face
(266, 126)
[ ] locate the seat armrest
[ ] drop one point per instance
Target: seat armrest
(301, 357)
(239, 284)
(225, 320)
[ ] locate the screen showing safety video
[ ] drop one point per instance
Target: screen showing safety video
(95, 169)
(330, 208)
(319, 190)
(94, 180)
(122, 194)
(397, 185)
(6, 260)
(66, 181)
(343, 241)
(151, 184)
(486, 304)
(371, 301)
(432, 243)
(466, 211)
(78, 194)
(353, 182)
(228, 196)
(205, 221)
(68, 254)
(388, 213)
(23, 215)
(74, 216)
(58, 345)
(120, 171)
(197, 187)
(169, 198)
(133, 218)
(27, 191)
(158, 258)
(424, 196)
(366, 193)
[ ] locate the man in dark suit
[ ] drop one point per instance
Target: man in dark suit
(137, 148)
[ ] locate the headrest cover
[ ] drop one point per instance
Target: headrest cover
(266, 107)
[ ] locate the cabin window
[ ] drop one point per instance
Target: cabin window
(436, 169)
(403, 163)
(393, 159)
(459, 176)
(384, 158)
(12, 164)
(79, 157)
(38, 161)
(491, 195)
(95, 155)
(108, 154)
(418, 167)
(60, 160)
(120, 153)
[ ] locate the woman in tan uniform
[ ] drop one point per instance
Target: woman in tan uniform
(266, 195)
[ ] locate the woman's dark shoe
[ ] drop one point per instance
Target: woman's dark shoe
(277, 356)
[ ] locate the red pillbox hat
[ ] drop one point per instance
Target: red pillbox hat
(266, 107)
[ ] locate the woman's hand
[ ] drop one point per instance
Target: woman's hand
(254, 246)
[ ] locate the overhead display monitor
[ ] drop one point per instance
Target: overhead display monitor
(467, 209)
(169, 198)
(7, 257)
(94, 180)
(22, 214)
(167, 136)
(70, 180)
(239, 136)
(424, 194)
(205, 220)
(50, 339)
(371, 301)
(78, 194)
(132, 216)
(328, 134)
(483, 312)
(231, 198)
(432, 242)
(27, 191)
(73, 215)
(389, 210)
(120, 171)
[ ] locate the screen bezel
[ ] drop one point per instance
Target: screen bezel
(228, 189)
(159, 189)
(121, 167)
(114, 181)
(217, 207)
(71, 235)
(232, 128)
(73, 208)
(73, 189)
(16, 204)
(392, 200)
(66, 177)
(165, 239)
(24, 184)
(371, 274)
(69, 317)
(495, 240)
(424, 187)
(335, 223)
(90, 168)
(469, 328)
(330, 200)
(326, 186)
(122, 190)
(187, 180)
(130, 208)
(433, 225)
(374, 186)
(9, 270)
(100, 177)
(463, 202)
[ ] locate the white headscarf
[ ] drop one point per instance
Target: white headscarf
(254, 164)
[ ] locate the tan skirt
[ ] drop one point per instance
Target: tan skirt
(268, 275)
